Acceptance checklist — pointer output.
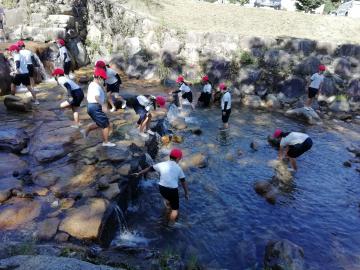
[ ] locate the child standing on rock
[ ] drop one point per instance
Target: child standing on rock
(64, 56)
(205, 95)
(96, 99)
(20, 72)
(74, 93)
(170, 175)
(113, 82)
(30, 61)
(225, 105)
(315, 86)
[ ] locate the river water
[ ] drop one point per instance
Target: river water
(225, 224)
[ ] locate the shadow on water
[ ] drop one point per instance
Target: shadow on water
(225, 224)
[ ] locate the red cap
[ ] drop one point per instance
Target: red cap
(277, 133)
(222, 86)
(13, 48)
(205, 78)
(61, 42)
(176, 153)
(100, 72)
(58, 71)
(322, 68)
(180, 79)
(100, 64)
(20, 43)
(160, 100)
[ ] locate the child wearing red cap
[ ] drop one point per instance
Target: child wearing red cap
(314, 86)
(292, 145)
(112, 84)
(75, 94)
(30, 61)
(20, 72)
(96, 99)
(64, 56)
(185, 89)
(170, 174)
(225, 105)
(205, 95)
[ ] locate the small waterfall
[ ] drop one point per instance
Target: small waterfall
(43, 73)
(173, 113)
(121, 218)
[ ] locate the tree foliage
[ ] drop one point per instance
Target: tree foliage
(308, 5)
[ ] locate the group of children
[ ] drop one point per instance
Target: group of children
(104, 90)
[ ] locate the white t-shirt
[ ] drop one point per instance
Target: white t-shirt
(185, 88)
(316, 80)
(27, 55)
(170, 173)
(63, 80)
(23, 65)
(63, 51)
(207, 88)
(226, 98)
(95, 90)
(293, 138)
(111, 79)
(144, 101)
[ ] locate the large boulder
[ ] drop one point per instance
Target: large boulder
(78, 51)
(277, 58)
(293, 87)
(330, 87)
(343, 68)
(283, 255)
(10, 163)
(12, 139)
(14, 103)
(341, 105)
(308, 66)
(5, 78)
(17, 212)
(42, 262)
(301, 46)
(252, 101)
(89, 221)
(353, 90)
(309, 116)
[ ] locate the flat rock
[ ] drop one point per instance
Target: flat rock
(9, 163)
(112, 191)
(42, 262)
(84, 222)
(197, 160)
(309, 116)
(14, 103)
(45, 179)
(18, 212)
(124, 170)
(12, 139)
(47, 229)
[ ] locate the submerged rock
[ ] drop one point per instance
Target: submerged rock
(283, 255)
(198, 160)
(310, 116)
(267, 190)
(347, 164)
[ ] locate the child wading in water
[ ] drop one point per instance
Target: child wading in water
(170, 174)
(75, 94)
(185, 90)
(205, 95)
(225, 105)
(315, 86)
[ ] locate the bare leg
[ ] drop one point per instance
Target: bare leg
(76, 115)
(105, 133)
(147, 122)
(13, 89)
(32, 82)
(226, 125)
(64, 104)
(144, 124)
(109, 94)
(173, 215)
(293, 163)
(309, 102)
(31, 90)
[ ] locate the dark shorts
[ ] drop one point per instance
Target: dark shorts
(21, 79)
(312, 92)
(67, 68)
(141, 111)
(225, 118)
(96, 114)
(171, 195)
(78, 96)
(1, 24)
(297, 150)
(113, 88)
(31, 70)
(205, 99)
(188, 96)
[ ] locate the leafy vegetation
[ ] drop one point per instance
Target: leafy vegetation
(308, 5)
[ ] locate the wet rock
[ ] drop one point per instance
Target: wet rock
(162, 128)
(84, 222)
(108, 154)
(310, 116)
(49, 262)
(18, 212)
(45, 179)
(195, 130)
(14, 103)
(252, 101)
(47, 229)
(179, 123)
(61, 237)
(347, 164)
(177, 139)
(152, 146)
(354, 149)
(254, 146)
(102, 183)
(33, 191)
(262, 187)
(10, 163)
(198, 160)
(12, 139)
(282, 173)
(345, 116)
(272, 101)
(165, 140)
(340, 106)
(66, 203)
(7, 185)
(5, 78)
(284, 255)
(112, 191)
(124, 170)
